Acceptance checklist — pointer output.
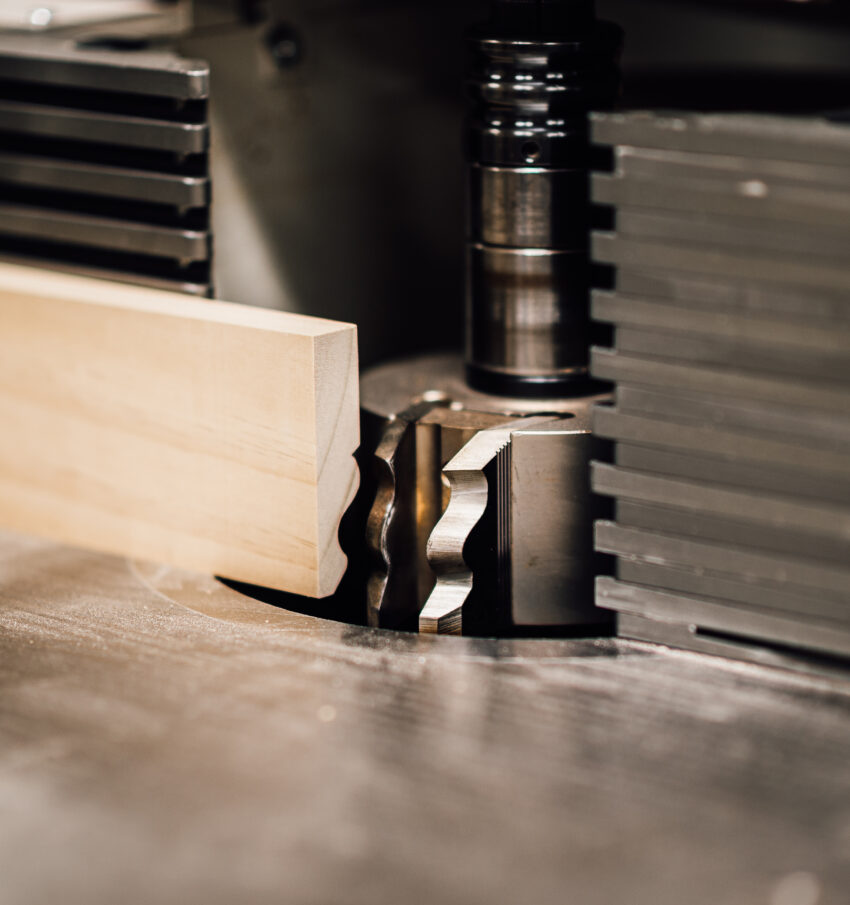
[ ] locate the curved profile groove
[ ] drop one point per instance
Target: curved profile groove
(444, 610)
(385, 521)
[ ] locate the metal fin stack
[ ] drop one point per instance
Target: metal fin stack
(104, 161)
(731, 421)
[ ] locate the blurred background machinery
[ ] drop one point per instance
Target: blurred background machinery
(337, 166)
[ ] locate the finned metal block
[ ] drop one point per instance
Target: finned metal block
(101, 232)
(104, 161)
(731, 428)
(789, 336)
(783, 271)
(103, 128)
(636, 544)
(55, 61)
(723, 293)
(724, 616)
(107, 181)
(803, 139)
(718, 381)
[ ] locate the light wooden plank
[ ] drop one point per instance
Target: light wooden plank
(206, 435)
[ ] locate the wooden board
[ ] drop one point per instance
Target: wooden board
(212, 436)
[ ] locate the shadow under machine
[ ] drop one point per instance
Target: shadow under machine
(636, 233)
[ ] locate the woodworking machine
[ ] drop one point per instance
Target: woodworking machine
(367, 164)
(572, 624)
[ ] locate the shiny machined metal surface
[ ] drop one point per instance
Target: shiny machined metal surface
(387, 390)
(527, 207)
(183, 192)
(482, 507)
(512, 550)
(105, 128)
(459, 564)
(101, 232)
(526, 314)
(552, 558)
(165, 738)
(532, 77)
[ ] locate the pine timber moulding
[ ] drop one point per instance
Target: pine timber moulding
(211, 436)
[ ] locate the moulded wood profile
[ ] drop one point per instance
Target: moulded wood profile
(211, 436)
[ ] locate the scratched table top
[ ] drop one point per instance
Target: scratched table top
(166, 739)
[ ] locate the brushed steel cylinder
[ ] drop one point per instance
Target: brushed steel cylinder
(525, 317)
(534, 71)
(528, 207)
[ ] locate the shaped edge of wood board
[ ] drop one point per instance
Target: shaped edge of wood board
(208, 435)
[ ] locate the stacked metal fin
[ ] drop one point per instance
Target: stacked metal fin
(104, 161)
(731, 421)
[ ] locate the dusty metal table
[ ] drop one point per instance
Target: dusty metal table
(163, 738)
